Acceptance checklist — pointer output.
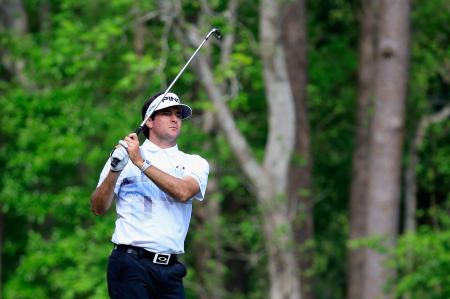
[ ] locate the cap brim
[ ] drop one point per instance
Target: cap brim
(186, 111)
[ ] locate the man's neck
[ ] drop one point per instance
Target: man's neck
(162, 143)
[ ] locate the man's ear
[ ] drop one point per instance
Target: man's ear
(149, 123)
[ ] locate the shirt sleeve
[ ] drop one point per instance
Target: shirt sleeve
(199, 170)
(104, 172)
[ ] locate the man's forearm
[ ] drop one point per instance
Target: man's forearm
(103, 195)
(181, 189)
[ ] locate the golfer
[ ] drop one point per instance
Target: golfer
(153, 186)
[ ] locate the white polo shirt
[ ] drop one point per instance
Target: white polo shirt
(148, 217)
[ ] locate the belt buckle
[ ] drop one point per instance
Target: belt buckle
(161, 258)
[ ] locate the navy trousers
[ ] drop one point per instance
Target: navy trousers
(131, 276)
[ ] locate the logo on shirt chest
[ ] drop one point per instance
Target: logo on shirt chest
(180, 171)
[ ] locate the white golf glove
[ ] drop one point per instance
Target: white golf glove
(120, 154)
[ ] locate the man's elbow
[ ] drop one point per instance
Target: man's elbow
(97, 209)
(186, 196)
(184, 199)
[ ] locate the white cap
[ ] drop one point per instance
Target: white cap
(169, 100)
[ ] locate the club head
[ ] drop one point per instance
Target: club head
(216, 33)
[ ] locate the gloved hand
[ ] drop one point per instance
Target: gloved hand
(119, 154)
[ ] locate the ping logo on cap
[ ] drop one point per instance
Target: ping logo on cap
(170, 98)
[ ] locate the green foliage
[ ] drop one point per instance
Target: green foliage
(55, 137)
(434, 171)
(331, 91)
(63, 265)
(422, 261)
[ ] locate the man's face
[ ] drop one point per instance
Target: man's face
(166, 125)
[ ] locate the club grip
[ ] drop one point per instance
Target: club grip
(114, 162)
(138, 130)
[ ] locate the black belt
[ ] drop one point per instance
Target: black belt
(165, 259)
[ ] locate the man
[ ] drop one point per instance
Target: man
(153, 186)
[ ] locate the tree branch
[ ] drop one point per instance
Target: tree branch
(238, 142)
(410, 175)
(227, 45)
(227, 123)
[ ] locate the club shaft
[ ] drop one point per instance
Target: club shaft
(149, 113)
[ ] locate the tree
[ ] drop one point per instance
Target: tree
(300, 172)
(13, 21)
(368, 19)
(386, 141)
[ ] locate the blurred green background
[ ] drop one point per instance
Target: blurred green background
(72, 82)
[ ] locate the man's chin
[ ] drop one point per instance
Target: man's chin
(173, 136)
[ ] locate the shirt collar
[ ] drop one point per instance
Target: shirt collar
(151, 147)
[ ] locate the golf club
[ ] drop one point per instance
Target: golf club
(154, 105)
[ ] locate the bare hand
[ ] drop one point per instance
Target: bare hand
(133, 149)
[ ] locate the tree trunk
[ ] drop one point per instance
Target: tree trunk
(387, 141)
(45, 19)
(208, 247)
(282, 255)
(2, 239)
(13, 16)
(138, 44)
(270, 185)
(282, 258)
(209, 260)
(299, 189)
(14, 19)
(358, 195)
